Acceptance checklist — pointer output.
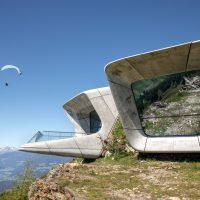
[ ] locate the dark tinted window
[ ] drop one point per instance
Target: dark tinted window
(95, 122)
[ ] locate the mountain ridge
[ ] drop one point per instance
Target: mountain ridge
(5, 149)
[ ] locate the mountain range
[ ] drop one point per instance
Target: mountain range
(7, 149)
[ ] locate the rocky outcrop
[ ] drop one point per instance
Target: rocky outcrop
(49, 188)
(192, 83)
(42, 189)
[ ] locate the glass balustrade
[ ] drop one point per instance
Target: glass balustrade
(50, 135)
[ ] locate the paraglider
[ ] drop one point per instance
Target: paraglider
(6, 67)
(11, 67)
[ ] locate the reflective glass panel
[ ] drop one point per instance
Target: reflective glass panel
(169, 105)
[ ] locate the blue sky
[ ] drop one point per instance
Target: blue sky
(62, 47)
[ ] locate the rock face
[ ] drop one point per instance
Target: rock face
(192, 83)
(48, 188)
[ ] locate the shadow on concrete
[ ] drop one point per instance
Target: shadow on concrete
(179, 157)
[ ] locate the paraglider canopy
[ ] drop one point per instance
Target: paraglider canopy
(7, 67)
(11, 67)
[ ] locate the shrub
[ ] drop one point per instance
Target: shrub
(117, 143)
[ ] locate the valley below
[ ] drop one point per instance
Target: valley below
(13, 162)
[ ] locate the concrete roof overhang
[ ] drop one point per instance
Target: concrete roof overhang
(123, 72)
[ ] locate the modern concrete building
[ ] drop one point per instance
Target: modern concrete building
(123, 73)
(135, 82)
(93, 114)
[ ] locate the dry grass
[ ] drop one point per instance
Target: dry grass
(131, 177)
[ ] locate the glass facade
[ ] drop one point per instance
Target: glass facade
(169, 105)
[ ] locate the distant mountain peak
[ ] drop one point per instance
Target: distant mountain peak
(7, 149)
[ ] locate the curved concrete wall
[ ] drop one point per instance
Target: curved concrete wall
(122, 73)
(78, 109)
